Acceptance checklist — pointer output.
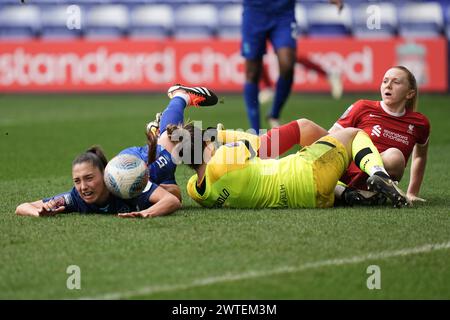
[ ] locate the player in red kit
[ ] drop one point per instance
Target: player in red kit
(396, 129)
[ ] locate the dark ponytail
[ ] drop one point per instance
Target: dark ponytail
(95, 156)
(152, 141)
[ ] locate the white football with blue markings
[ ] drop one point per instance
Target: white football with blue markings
(126, 176)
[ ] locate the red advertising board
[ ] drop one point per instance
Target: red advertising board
(125, 65)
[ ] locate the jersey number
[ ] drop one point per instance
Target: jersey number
(161, 162)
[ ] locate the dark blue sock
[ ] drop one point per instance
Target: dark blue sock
(281, 94)
(173, 114)
(251, 91)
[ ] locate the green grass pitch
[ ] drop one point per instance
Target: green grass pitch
(199, 253)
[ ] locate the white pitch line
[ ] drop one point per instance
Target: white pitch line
(257, 274)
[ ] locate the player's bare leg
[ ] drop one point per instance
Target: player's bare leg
(310, 132)
(394, 162)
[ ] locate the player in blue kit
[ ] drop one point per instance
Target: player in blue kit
(274, 21)
(157, 151)
(90, 195)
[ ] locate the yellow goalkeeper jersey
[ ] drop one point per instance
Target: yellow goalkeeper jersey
(235, 178)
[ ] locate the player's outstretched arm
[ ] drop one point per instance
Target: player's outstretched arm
(39, 209)
(418, 164)
(164, 203)
(173, 189)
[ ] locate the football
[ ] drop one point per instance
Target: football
(126, 176)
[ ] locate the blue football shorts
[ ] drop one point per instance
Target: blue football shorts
(258, 27)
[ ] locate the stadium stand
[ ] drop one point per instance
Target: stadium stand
(447, 19)
(195, 21)
(19, 22)
(302, 19)
(155, 21)
(367, 25)
(230, 17)
(100, 24)
(55, 23)
(324, 20)
(421, 20)
(221, 18)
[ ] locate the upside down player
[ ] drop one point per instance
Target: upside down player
(232, 175)
(156, 153)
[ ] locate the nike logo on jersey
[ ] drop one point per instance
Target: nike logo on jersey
(374, 116)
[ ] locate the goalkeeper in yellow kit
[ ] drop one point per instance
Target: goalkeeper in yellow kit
(233, 175)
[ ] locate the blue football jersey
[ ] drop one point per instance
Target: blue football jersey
(162, 170)
(74, 203)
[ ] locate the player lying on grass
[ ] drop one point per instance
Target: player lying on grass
(233, 176)
(90, 195)
(395, 128)
(301, 132)
(156, 153)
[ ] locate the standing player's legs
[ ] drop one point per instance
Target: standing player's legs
(266, 92)
(251, 91)
(284, 40)
(253, 47)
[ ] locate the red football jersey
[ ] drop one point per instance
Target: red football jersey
(386, 129)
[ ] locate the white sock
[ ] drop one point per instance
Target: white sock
(377, 169)
(184, 96)
(338, 191)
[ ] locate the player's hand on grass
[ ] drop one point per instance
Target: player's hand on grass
(51, 208)
(134, 215)
(413, 198)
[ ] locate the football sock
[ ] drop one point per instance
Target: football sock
(251, 91)
(279, 140)
(283, 89)
(174, 112)
(366, 155)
